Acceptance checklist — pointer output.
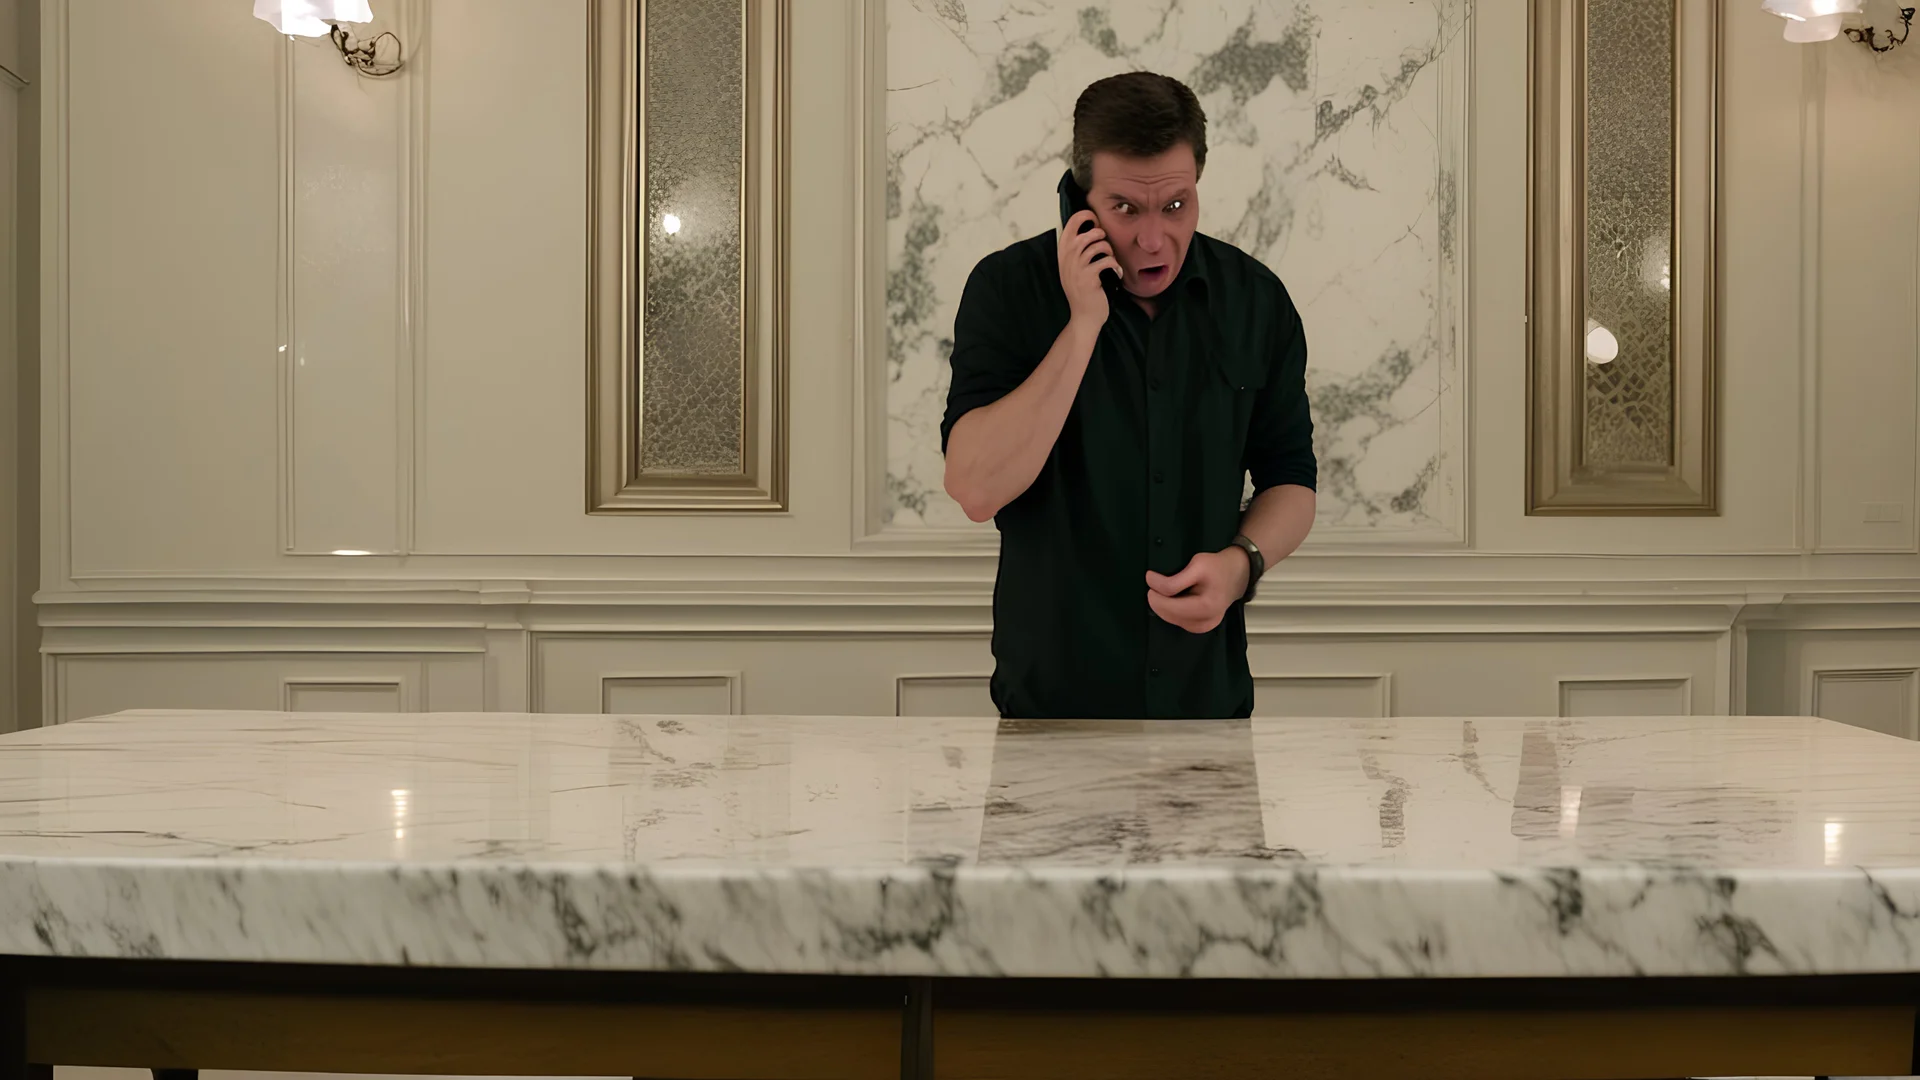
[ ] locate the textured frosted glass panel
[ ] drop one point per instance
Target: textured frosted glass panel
(1628, 416)
(690, 357)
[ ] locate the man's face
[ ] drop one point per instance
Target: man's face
(1149, 208)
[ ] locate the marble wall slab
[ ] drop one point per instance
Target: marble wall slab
(1336, 133)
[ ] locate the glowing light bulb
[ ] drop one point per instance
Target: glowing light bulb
(1602, 346)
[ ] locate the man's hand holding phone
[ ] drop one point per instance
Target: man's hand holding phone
(1084, 252)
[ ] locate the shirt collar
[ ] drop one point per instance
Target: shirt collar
(1193, 269)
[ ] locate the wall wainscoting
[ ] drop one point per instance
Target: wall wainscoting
(1851, 660)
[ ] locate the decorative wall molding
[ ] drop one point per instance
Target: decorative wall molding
(1375, 689)
(618, 239)
(870, 284)
(866, 608)
(1858, 386)
(348, 695)
(1813, 75)
(1560, 477)
(1846, 692)
(727, 682)
(1669, 694)
(182, 643)
(507, 631)
(17, 407)
(351, 239)
(1733, 662)
(217, 674)
(1367, 592)
(412, 383)
(56, 287)
(95, 671)
(971, 688)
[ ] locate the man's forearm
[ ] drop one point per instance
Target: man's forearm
(995, 452)
(1279, 520)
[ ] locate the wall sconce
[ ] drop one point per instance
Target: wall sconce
(1819, 20)
(323, 18)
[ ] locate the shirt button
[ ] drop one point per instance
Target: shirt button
(1159, 541)
(1153, 671)
(1159, 479)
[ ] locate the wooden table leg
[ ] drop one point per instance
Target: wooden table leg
(916, 1031)
(13, 1034)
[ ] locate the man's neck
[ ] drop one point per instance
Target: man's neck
(1151, 307)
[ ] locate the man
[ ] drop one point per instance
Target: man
(1109, 431)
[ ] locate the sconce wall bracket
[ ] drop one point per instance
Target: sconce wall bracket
(1869, 37)
(364, 56)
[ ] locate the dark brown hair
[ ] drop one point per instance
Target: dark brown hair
(1138, 114)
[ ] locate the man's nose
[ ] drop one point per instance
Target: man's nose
(1151, 238)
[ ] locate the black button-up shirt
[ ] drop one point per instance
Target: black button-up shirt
(1150, 468)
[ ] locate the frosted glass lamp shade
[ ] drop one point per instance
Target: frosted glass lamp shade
(1818, 28)
(1812, 20)
(311, 18)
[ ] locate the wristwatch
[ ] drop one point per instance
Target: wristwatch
(1256, 565)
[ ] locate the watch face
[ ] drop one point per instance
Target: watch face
(1256, 564)
(1254, 557)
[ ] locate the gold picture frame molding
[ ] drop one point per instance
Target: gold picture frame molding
(1559, 482)
(616, 177)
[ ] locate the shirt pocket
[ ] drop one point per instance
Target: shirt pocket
(1236, 378)
(1239, 367)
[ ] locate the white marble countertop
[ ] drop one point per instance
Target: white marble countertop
(1262, 849)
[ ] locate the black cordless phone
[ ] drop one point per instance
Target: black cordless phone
(1072, 201)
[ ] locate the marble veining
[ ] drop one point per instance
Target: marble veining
(1336, 149)
(1264, 849)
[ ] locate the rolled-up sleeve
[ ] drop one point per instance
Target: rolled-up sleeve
(987, 363)
(1280, 442)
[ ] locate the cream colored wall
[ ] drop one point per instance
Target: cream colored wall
(16, 403)
(169, 477)
(9, 404)
(26, 437)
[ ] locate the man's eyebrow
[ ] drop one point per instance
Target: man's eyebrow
(1183, 192)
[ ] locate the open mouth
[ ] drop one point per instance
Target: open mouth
(1151, 275)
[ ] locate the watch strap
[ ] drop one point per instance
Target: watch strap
(1256, 565)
